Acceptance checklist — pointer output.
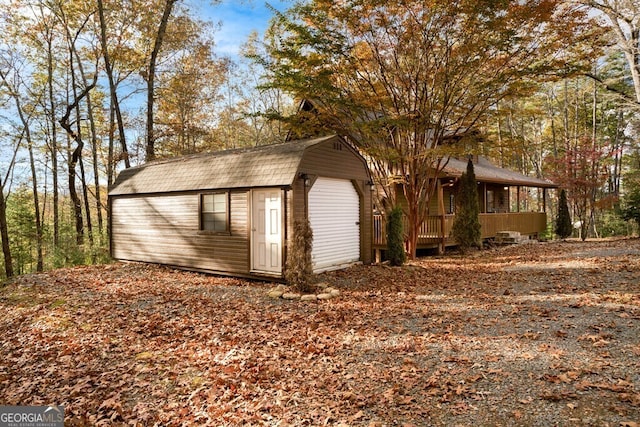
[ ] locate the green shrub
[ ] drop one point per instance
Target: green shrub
(564, 228)
(611, 224)
(466, 227)
(395, 239)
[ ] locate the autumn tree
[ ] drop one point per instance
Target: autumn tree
(150, 76)
(188, 89)
(25, 118)
(72, 75)
(244, 111)
(256, 104)
(110, 54)
(466, 227)
(581, 170)
(74, 21)
(622, 17)
(399, 78)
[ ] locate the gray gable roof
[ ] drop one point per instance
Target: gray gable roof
(263, 166)
(486, 171)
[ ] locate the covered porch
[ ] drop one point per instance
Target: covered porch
(436, 230)
(509, 202)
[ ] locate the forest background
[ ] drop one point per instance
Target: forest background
(90, 87)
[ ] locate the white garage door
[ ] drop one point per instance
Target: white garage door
(334, 214)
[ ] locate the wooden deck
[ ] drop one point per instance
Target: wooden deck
(436, 227)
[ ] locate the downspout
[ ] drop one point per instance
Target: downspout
(305, 191)
(110, 223)
(285, 237)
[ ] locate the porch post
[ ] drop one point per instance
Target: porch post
(441, 247)
(484, 196)
(518, 198)
(544, 200)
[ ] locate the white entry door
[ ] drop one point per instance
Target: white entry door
(266, 235)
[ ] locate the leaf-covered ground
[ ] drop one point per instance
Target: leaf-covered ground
(540, 334)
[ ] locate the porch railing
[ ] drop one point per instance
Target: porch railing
(435, 228)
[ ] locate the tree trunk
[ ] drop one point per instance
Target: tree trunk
(4, 231)
(53, 146)
(96, 173)
(74, 156)
(73, 162)
(114, 103)
(36, 206)
(4, 227)
(96, 170)
(110, 157)
(618, 147)
(151, 75)
(85, 197)
(36, 201)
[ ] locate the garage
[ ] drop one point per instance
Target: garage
(334, 215)
(234, 212)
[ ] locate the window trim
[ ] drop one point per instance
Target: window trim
(201, 212)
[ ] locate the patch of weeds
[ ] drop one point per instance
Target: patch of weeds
(21, 299)
(57, 303)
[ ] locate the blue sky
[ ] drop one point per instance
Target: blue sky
(238, 19)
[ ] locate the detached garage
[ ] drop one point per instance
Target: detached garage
(232, 212)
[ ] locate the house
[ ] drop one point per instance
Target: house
(501, 192)
(232, 212)
(505, 205)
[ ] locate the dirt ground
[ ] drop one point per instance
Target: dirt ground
(544, 334)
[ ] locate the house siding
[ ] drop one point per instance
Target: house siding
(164, 229)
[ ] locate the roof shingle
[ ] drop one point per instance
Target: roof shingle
(263, 166)
(485, 171)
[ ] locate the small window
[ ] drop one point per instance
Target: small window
(214, 212)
